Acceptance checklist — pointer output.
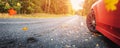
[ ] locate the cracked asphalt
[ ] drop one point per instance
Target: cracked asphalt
(66, 32)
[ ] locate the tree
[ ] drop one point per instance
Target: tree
(87, 5)
(57, 7)
(37, 6)
(5, 5)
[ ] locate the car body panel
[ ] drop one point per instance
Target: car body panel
(107, 22)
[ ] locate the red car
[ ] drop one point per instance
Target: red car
(105, 20)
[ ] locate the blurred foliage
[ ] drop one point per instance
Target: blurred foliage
(86, 7)
(27, 7)
(57, 7)
(5, 5)
(36, 6)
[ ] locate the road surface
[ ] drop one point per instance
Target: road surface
(66, 32)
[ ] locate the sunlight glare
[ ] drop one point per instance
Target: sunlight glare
(77, 4)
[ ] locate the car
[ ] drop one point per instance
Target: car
(104, 17)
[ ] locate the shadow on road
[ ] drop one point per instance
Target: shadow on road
(110, 43)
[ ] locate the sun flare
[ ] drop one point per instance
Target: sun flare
(77, 4)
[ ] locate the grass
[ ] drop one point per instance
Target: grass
(37, 15)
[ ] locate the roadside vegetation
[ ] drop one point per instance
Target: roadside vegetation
(30, 7)
(37, 15)
(36, 6)
(86, 6)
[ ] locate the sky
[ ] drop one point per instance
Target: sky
(77, 4)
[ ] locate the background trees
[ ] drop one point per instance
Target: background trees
(7, 4)
(86, 7)
(43, 6)
(36, 6)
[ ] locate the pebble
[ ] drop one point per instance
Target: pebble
(97, 45)
(86, 39)
(51, 39)
(67, 46)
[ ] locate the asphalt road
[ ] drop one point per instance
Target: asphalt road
(66, 32)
